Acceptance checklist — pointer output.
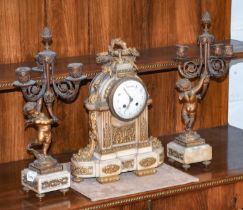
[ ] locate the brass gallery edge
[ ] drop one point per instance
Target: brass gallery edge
(141, 68)
(165, 193)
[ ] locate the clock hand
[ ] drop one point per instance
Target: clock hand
(130, 98)
(128, 106)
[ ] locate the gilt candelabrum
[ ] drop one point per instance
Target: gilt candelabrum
(213, 63)
(45, 169)
(48, 88)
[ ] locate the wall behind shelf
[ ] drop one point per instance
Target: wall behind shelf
(236, 74)
(82, 27)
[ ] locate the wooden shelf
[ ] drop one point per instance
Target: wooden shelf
(154, 59)
(226, 168)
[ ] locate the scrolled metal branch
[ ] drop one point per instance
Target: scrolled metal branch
(190, 69)
(34, 92)
(217, 67)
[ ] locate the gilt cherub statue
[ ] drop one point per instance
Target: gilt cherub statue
(43, 124)
(190, 96)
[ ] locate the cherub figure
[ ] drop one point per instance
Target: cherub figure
(189, 96)
(43, 123)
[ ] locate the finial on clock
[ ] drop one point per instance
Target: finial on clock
(118, 52)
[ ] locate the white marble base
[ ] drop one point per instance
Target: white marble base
(104, 157)
(101, 167)
(188, 155)
(44, 183)
(144, 149)
(126, 152)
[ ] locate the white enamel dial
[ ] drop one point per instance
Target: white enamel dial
(128, 99)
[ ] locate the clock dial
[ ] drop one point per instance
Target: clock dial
(128, 99)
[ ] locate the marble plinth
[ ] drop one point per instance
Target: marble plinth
(188, 155)
(43, 183)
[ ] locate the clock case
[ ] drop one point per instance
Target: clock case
(115, 145)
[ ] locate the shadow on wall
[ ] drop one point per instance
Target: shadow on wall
(235, 115)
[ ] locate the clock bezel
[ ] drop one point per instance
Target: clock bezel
(112, 92)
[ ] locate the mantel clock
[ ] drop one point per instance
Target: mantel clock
(118, 121)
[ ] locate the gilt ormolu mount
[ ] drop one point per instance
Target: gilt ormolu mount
(45, 174)
(118, 121)
(214, 61)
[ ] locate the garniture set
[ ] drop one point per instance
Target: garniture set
(117, 106)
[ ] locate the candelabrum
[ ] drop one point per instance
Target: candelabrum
(34, 91)
(45, 174)
(213, 63)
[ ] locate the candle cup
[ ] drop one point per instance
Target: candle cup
(75, 70)
(23, 74)
(228, 50)
(181, 51)
(218, 49)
